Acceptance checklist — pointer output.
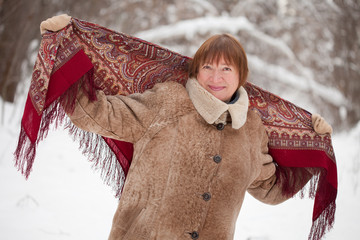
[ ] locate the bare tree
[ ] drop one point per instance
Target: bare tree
(19, 25)
(320, 37)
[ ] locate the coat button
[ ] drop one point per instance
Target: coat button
(220, 126)
(206, 196)
(217, 158)
(194, 235)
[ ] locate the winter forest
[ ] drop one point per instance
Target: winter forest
(307, 52)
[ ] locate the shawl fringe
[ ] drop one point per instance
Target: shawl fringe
(25, 153)
(314, 178)
(99, 153)
(102, 155)
(324, 223)
(70, 60)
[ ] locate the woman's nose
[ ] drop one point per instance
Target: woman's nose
(217, 76)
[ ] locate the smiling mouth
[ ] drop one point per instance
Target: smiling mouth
(216, 88)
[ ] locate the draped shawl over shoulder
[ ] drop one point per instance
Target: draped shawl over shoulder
(92, 57)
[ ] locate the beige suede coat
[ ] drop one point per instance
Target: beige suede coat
(194, 158)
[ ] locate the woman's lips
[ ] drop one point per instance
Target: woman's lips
(216, 88)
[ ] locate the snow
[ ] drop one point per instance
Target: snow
(214, 24)
(189, 28)
(204, 6)
(64, 199)
(302, 79)
(291, 220)
(306, 85)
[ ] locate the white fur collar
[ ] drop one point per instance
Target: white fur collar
(211, 108)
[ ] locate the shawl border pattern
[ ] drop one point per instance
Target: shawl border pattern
(88, 56)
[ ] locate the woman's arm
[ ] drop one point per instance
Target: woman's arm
(268, 188)
(123, 118)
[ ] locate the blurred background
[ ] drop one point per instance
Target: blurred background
(305, 51)
(313, 45)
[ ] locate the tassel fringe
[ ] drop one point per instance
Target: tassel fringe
(323, 219)
(101, 156)
(24, 154)
(324, 223)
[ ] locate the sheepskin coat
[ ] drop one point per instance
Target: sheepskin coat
(194, 158)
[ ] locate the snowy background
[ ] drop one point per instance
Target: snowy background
(65, 200)
(304, 51)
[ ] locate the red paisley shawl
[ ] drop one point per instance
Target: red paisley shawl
(92, 57)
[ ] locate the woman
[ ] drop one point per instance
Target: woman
(197, 149)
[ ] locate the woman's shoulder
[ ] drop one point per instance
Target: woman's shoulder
(169, 86)
(171, 90)
(254, 116)
(175, 99)
(253, 120)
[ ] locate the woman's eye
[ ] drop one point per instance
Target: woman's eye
(227, 69)
(206, 67)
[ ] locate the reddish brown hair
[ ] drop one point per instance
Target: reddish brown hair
(217, 46)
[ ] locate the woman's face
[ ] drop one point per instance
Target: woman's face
(221, 80)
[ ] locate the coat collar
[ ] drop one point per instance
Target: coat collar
(211, 108)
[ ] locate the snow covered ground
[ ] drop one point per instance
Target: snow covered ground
(65, 199)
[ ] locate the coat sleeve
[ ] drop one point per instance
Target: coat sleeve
(267, 187)
(124, 118)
